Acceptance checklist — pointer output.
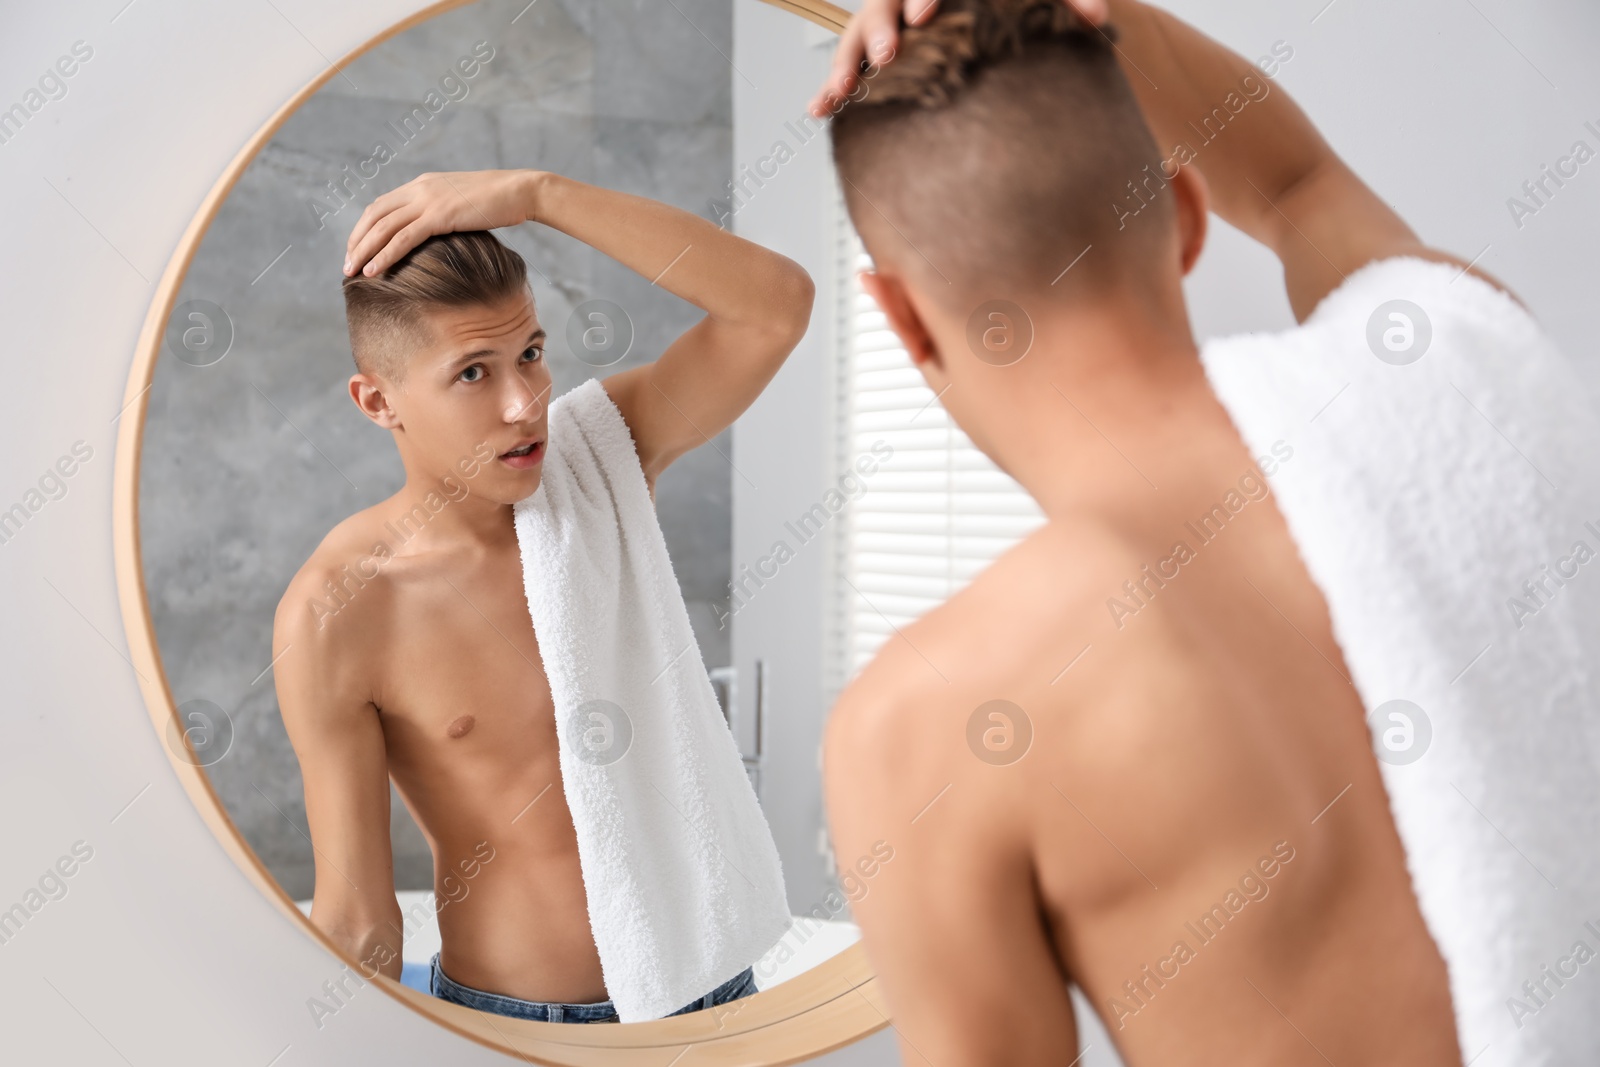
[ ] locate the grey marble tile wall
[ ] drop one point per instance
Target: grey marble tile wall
(249, 461)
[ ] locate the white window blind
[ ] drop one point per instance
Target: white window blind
(935, 513)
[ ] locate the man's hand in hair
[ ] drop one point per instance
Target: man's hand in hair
(431, 204)
(1274, 177)
(874, 32)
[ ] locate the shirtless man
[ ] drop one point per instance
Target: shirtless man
(1199, 836)
(428, 671)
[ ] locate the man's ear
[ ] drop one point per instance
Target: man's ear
(889, 292)
(370, 394)
(1192, 196)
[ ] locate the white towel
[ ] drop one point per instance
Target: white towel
(684, 884)
(1423, 495)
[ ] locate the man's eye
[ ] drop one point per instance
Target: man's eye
(535, 351)
(472, 373)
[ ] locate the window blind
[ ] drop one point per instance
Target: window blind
(932, 515)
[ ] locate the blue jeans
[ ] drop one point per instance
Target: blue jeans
(444, 987)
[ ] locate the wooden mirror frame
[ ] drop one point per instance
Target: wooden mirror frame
(831, 1005)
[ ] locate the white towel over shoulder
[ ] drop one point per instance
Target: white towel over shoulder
(684, 884)
(1449, 509)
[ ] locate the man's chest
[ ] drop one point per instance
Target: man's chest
(465, 650)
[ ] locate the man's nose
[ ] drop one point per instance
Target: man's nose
(523, 402)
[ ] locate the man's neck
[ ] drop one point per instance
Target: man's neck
(458, 515)
(1099, 411)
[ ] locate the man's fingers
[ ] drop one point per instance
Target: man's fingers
(404, 240)
(880, 25)
(846, 54)
(872, 34)
(374, 211)
(378, 238)
(1094, 12)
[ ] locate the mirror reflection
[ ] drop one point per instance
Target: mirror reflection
(439, 556)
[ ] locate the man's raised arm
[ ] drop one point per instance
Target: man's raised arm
(757, 302)
(758, 306)
(1270, 172)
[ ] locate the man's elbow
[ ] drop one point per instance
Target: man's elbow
(373, 939)
(797, 296)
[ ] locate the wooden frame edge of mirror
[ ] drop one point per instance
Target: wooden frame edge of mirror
(832, 1005)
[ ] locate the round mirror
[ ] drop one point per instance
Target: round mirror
(249, 452)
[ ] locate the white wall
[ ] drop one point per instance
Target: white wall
(780, 446)
(1444, 107)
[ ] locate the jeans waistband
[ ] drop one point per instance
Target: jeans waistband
(447, 988)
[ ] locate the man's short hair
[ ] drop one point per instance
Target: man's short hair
(385, 312)
(995, 147)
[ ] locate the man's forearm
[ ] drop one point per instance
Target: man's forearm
(1253, 155)
(733, 280)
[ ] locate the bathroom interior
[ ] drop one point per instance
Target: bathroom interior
(796, 561)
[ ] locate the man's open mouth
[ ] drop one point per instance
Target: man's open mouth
(526, 457)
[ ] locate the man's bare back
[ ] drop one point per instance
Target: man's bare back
(1112, 762)
(442, 642)
(1196, 833)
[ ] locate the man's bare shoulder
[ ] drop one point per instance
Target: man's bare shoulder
(1031, 631)
(343, 578)
(1023, 624)
(969, 732)
(1026, 672)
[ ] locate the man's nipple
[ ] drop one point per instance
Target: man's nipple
(462, 726)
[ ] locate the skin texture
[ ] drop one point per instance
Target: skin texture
(1206, 735)
(429, 673)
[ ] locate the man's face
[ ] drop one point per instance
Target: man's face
(476, 392)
